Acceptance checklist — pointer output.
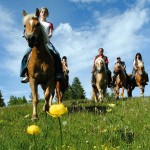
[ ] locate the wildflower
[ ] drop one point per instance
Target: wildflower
(103, 131)
(111, 105)
(64, 123)
(26, 116)
(33, 129)
(115, 129)
(1, 121)
(57, 110)
(122, 95)
(109, 110)
(94, 147)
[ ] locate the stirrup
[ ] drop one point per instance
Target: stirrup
(58, 77)
(25, 79)
(93, 85)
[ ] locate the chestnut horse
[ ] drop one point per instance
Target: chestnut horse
(41, 68)
(62, 85)
(99, 91)
(121, 80)
(140, 78)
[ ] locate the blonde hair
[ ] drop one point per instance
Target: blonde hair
(46, 10)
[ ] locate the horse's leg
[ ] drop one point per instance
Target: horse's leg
(94, 95)
(34, 90)
(117, 92)
(122, 94)
(61, 97)
(52, 85)
(46, 96)
(100, 97)
(142, 90)
(99, 92)
(129, 91)
(58, 92)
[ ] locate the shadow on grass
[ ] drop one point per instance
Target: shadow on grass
(88, 107)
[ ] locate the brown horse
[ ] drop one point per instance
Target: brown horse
(62, 85)
(120, 80)
(140, 78)
(99, 91)
(41, 68)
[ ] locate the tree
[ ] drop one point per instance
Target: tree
(39, 99)
(1, 100)
(17, 100)
(77, 90)
(68, 94)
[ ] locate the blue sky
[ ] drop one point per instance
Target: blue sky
(121, 27)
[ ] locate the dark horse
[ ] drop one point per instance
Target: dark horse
(121, 80)
(62, 85)
(139, 80)
(41, 68)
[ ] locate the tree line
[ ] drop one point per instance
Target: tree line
(75, 91)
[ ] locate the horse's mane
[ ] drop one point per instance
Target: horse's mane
(101, 59)
(31, 16)
(27, 17)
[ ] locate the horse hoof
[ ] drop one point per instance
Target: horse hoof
(45, 108)
(101, 101)
(117, 98)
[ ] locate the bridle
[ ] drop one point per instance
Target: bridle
(100, 68)
(34, 38)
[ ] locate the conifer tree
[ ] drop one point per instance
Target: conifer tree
(17, 100)
(1, 100)
(77, 90)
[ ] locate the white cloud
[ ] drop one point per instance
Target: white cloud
(13, 45)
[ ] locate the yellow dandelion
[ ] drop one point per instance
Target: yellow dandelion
(111, 105)
(106, 148)
(103, 131)
(26, 116)
(115, 129)
(33, 129)
(109, 110)
(1, 121)
(122, 95)
(57, 110)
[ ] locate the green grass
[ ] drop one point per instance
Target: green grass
(87, 126)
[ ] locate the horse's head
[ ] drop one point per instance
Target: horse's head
(118, 68)
(32, 28)
(140, 67)
(100, 64)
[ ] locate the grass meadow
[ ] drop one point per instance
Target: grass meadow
(86, 126)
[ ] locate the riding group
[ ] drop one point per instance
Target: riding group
(42, 65)
(101, 76)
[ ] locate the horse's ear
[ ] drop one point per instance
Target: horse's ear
(24, 13)
(37, 13)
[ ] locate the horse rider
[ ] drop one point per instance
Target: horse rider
(105, 58)
(122, 63)
(65, 67)
(48, 28)
(138, 57)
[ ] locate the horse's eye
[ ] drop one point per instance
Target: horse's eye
(24, 26)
